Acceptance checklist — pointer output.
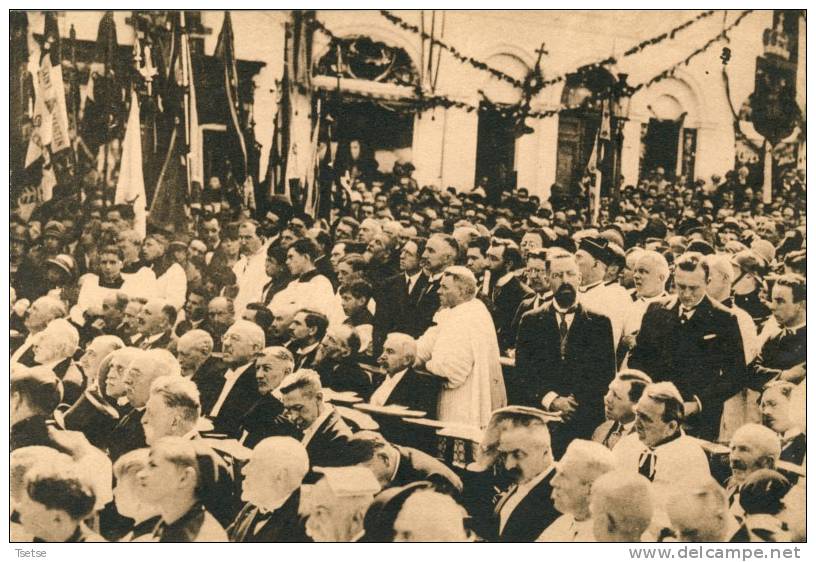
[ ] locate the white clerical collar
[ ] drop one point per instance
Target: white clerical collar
(650, 299)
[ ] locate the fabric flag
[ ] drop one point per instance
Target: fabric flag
(130, 187)
(312, 188)
(50, 114)
(236, 139)
(168, 208)
(601, 151)
(279, 150)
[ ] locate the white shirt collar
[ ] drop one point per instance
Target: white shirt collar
(504, 279)
(309, 432)
(308, 348)
(383, 392)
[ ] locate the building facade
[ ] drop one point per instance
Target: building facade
(370, 71)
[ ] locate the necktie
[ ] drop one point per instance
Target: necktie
(685, 314)
(614, 435)
(563, 329)
(646, 465)
(504, 497)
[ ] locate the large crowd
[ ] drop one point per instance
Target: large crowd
(269, 376)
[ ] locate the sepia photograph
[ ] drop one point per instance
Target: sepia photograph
(407, 275)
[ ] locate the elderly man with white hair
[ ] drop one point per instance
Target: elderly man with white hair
(463, 350)
(753, 447)
(195, 354)
(429, 516)
(173, 409)
(239, 390)
(402, 384)
(54, 349)
(271, 490)
(621, 506)
(37, 317)
(582, 463)
(143, 369)
(265, 417)
(650, 272)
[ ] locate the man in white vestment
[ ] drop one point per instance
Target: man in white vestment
(462, 348)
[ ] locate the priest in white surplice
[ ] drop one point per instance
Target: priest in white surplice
(462, 349)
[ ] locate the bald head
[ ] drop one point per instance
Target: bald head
(700, 514)
(57, 342)
(650, 273)
(622, 506)
(275, 469)
(144, 368)
(428, 516)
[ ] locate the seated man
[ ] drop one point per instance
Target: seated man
(402, 384)
(195, 354)
(57, 500)
(355, 298)
(20, 462)
(397, 465)
(337, 362)
(660, 450)
(54, 350)
(307, 330)
(271, 490)
(338, 503)
(35, 393)
(325, 434)
(171, 481)
(753, 447)
(156, 321)
(239, 390)
(582, 463)
(428, 516)
(144, 368)
(621, 506)
(700, 514)
(128, 496)
(775, 407)
(265, 417)
(619, 407)
(172, 409)
(517, 446)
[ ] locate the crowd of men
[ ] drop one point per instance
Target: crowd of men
(638, 379)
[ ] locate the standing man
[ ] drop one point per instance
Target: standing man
(506, 291)
(440, 253)
(565, 356)
(462, 349)
(695, 343)
(250, 271)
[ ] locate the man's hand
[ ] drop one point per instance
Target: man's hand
(565, 405)
(795, 374)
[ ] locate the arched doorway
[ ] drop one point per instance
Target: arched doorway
(578, 128)
(369, 98)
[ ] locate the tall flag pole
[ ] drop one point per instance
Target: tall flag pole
(195, 149)
(236, 139)
(603, 142)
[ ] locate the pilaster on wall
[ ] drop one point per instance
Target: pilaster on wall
(459, 149)
(547, 133)
(429, 137)
(630, 154)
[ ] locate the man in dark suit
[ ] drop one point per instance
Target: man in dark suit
(516, 450)
(506, 290)
(440, 253)
(145, 367)
(265, 417)
(156, 320)
(239, 391)
(565, 357)
(784, 354)
(695, 343)
(271, 490)
(325, 434)
(539, 281)
(277, 272)
(34, 395)
(307, 329)
(402, 385)
(337, 362)
(395, 465)
(194, 352)
(619, 407)
(397, 298)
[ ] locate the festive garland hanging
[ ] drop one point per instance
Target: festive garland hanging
(475, 63)
(514, 112)
(537, 85)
